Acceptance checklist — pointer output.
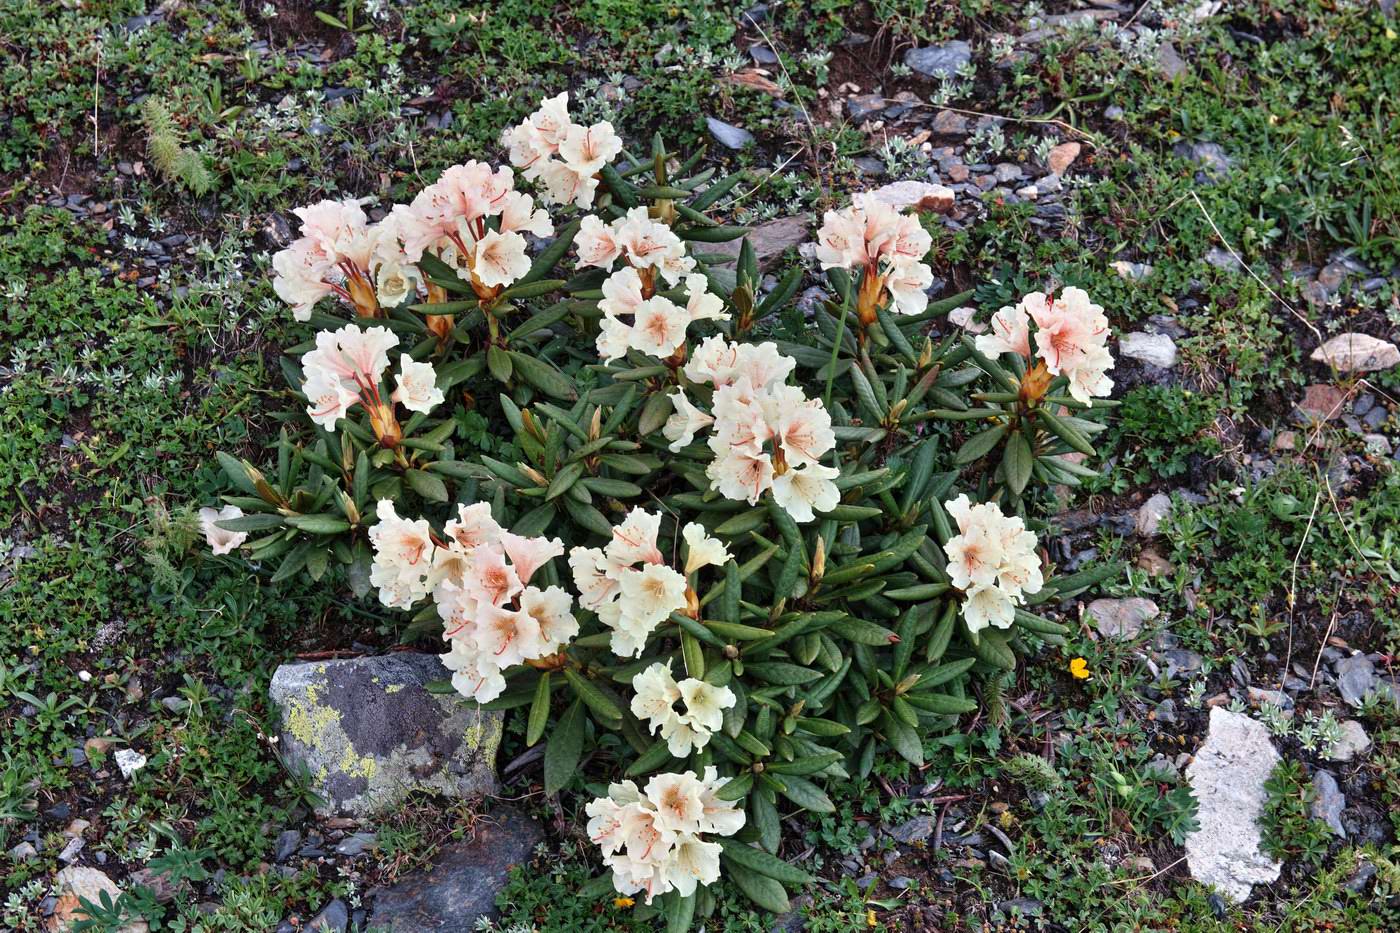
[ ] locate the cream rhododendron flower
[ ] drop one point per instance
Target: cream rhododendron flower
(765, 435)
(655, 326)
(500, 258)
(687, 729)
(681, 426)
(333, 255)
(417, 386)
(872, 237)
(478, 575)
(1069, 337)
(345, 369)
(628, 584)
(548, 147)
(652, 840)
(992, 560)
(221, 541)
(637, 240)
(701, 549)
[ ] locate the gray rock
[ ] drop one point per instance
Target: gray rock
(356, 844)
(939, 61)
(23, 852)
(1353, 352)
(729, 135)
(1353, 741)
(769, 240)
(864, 106)
(332, 919)
(287, 844)
(1355, 675)
(1166, 711)
(1222, 259)
(1328, 802)
(1151, 513)
(1007, 171)
(1024, 906)
(1366, 825)
(1122, 618)
(913, 831)
(369, 732)
(1169, 61)
(1154, 349)
(1227, 778)
(1207, 155)
(763, 55)
(948, 123)
(461, 884)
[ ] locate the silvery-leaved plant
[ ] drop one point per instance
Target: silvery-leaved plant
(722, 559)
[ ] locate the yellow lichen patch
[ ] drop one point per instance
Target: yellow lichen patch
(392, 688)
(356, 765)
(310, 723)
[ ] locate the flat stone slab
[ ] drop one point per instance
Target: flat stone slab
(1227, 778)
(369, 731)
(462, 883)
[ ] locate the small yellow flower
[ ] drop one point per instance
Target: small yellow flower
(870, 918)
(1079, 668)
(622, 903)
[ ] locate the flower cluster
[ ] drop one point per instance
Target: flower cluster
(651, 839)
(655, 326)
(871, 236)
(655, 701)
(766, 434)
(471, 218)
(1070, 335)
(563, 156)
(339, 252)
(346, 368)
(479, 577)
(629, 585)
(992, 560)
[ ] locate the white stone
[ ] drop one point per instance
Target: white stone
(1353, 741)
(923, 195)
(963, 317)
(1349, 353)
(1227, 778)
(129, 761)
(75, 884)
(1154, 349)
(1151, 513)
(1122, 618)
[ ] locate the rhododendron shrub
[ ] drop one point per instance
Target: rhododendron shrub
(737, 552)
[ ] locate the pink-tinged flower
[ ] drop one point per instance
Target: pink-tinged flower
(528, 555)
(340, 229)
(586, 149)
(473, 526)
(302, 275)
(658, 327)
(634, 541)
(500, 258)
(713, 361)
(595, 587)
(417, 386)
(622, 293)
(403, 557)
(681, 426)
(907, 282)
(807, 489)
(328, 398)
(491, 580)
(221, 541)
(701, 304)
(802, 426)
(596, 243)
(519, 215)
(551, 608)
(740, 475)
(1010, 329)
(508, 636)
(565, 184)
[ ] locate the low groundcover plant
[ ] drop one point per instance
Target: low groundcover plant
(718, 567)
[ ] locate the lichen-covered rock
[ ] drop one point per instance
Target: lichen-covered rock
(369, 732)
(1227, 778)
